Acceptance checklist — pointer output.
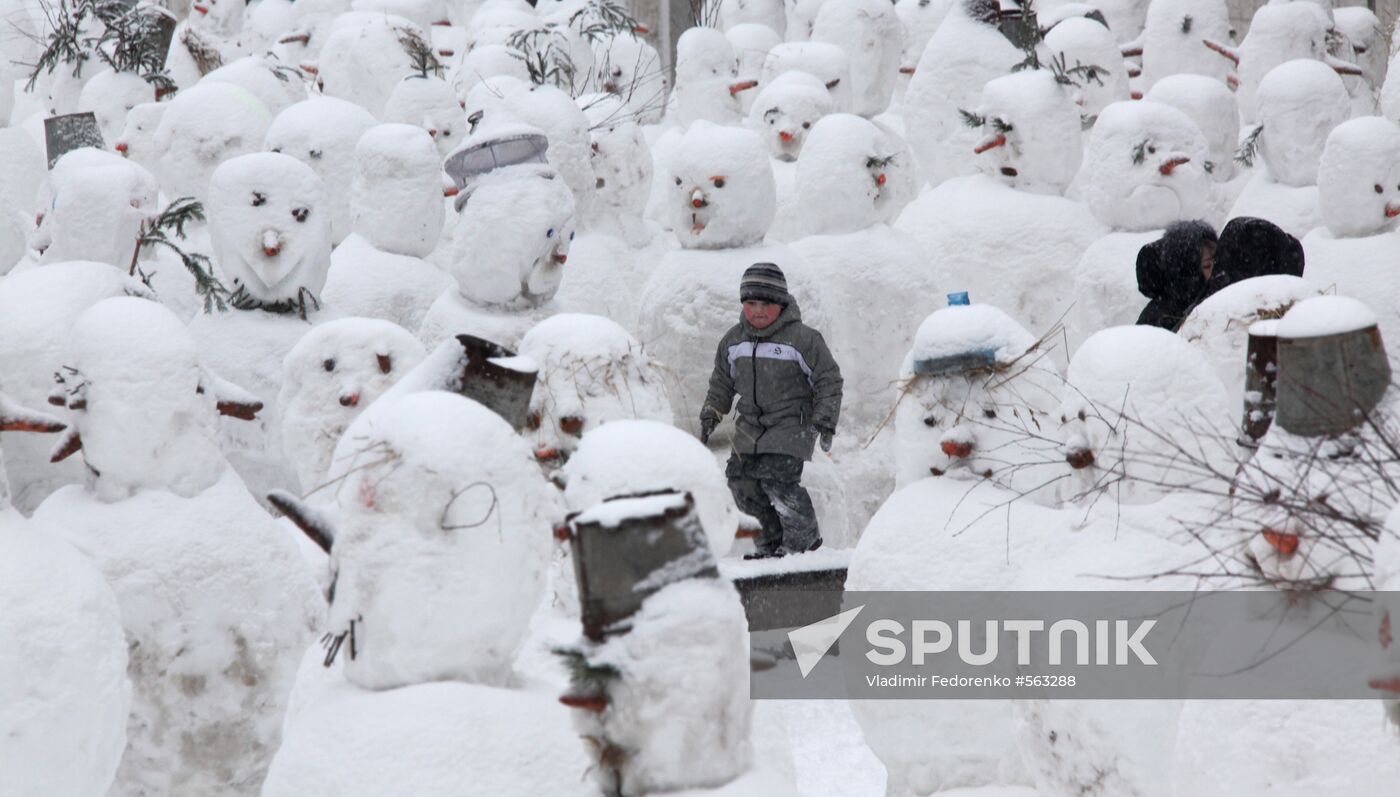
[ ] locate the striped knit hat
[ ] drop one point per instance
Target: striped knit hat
(764, 282)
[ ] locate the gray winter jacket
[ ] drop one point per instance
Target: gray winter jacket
(788, 384)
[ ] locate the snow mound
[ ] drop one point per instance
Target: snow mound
(1325, 315)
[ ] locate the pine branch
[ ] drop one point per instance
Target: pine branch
(972, 119)
(1140, 153)
(586, 678)
(157, 232)
(420, 52)
(1249, 148)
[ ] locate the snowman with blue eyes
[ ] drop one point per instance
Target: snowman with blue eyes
(511, 237)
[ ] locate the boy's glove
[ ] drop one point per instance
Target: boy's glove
(825, 438)
(707, 427)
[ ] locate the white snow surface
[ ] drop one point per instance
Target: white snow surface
(1325, 315)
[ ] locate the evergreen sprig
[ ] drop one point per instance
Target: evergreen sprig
(1249, 148)
(125, 37)
(599, 20)
(420, 52)
(172, 221)
(1186, 23)
(585, 677)
(972, 119)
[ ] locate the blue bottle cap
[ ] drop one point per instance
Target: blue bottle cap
(958, 299)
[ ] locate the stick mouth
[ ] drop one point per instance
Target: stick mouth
(1008, 171)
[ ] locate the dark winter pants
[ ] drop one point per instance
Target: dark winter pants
(768, 487)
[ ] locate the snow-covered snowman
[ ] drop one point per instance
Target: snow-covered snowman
(719, 200)
(1359, 197)
(870, 33)
(751, 43)
(322, 132)
(1026, 145)
(215, 599)
(429, 102)
(64, 695)
(1086, 42)
(965, 53)
(438, 543)
(1144, 168)
(592, 372)
(1298, 104)
(381, 270)
(270, 225)
(1176, 40)
(921, 19)
(367, 56)
(827, 62)
(1211, 105)
(785, 110)
(137, 137)
(511, 238)
(332, 374)
(203, 127)
(707, 80)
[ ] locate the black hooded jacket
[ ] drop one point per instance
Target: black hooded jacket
(1251, 247)
(1169, 273)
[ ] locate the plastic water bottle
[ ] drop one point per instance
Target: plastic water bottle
(958, 299)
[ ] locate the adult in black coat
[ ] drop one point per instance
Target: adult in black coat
(1251, 247)
(1173, 272)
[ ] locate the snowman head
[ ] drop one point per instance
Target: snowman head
(137, 401)
(852, 174)
(826, 61)
(1144, 167)
(271, 229)
(591, 372)
(1299, 103)
(974, 395)
(620, 157)
(1132, 394)
(396, 193)
(203, 127)
(1030, 132)
(921, 18)
(785, 111)
(96, 205)
(322, 132)
(514, 226)
(223, 18)
(1212, 106)
(483, 62)
(705, 57)
(628, 67)
(428, 102)
(333, 373)
(1358, 181)
(137, 139)
(870, 33)
(720, 191)
(751, 42)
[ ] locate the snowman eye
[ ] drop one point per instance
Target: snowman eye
(1151, 150)
(571, 236)
(719, 182)
(329, 364)
(931, 420)
(989, 413)
(259, 199)
(678, 181)
(1082, 416)
(549, 233)
(386, 363)
(315, 154)
(446, 134)
(300, 214)
(275, 149)
(1379, 190)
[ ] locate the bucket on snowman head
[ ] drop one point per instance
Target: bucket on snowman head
(1260, 382)
(959, 299)
(497, 378)
(1327, 384)
(514, 147)
(63, 134)
(629, 547)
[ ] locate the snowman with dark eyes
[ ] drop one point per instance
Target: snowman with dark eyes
(510, 238)
(270, 225)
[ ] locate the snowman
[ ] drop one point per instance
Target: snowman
(1176, 40)
(1084, 41)
(137, 137)
(97, 204)
(977, 395)
(380, 270)
(751, 43)
(64, 694)
(332, 374)
(203, 127)
(785, 110)
(827, 62)
(625, 65)
(205, 40)
(215, 600)
(768, 13)
(322, 133)
(367, 56)
(966, 52)
(111, 95)
(277, 85)
(510, 239)
(566, 127)
(1026, 144)
(853, 180)
(622, 168)
(1363, 31)
(718, 198)
(870, 33)
(1299, 103)
(1359, 197)
(707, 80)
(921, 19)
(430, 103)
(483, 62)
(1144, 168)
(270, 227)
(37, 309)
(592, 372)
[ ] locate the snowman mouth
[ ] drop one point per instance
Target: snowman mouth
(697, 226)
(1392, 210)
(1009, 172)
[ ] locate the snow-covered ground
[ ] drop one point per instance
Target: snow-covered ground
(436, 287)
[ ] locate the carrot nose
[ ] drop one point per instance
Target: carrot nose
(450, 191)
(990, 144)
(201, 9)
(697, 198)
(121, 147)
(560, 258)
(1080, 458)
(1392, 210)
(956, 450)
(906, 70)
(352, 400)
(1167, 168)
(432, 132)
(272, 251)
(1283, 542)
(785, 137)
(743, 85)
(546, 454)
(1137, 95)
(880, 179)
